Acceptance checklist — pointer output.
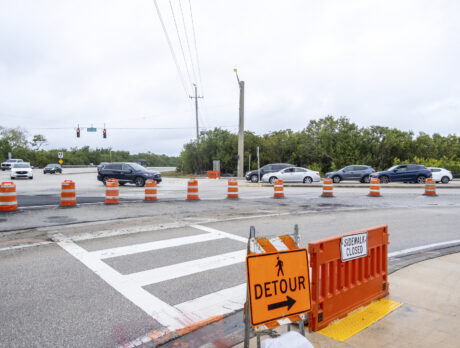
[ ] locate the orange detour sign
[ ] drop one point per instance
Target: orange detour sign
(278, 285)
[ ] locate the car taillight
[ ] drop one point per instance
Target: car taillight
(373, 170)
(317, 174)
(429, 169)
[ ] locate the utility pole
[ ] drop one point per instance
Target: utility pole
(240, 167)
(196, 113)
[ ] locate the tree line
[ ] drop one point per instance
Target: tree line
(16, 142)
(326, 144)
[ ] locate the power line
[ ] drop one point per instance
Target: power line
(188, 42)
(196, 47)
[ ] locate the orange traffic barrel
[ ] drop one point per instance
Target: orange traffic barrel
(150, 190)
(111, 191)
(278, 188)
(68, 196)
(232, 189)
(8, 201)
(374, 188)
(430, 187)
(192, 190)
(328, 188)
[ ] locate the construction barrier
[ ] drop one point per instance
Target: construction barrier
(213, 174)
(150, 190)
(430, 187)
(328, 188)
(278, 188)
(374, 188)
(232, 189)
(192, 190)
(111, 191)
(339, 287)
(68, 196)
(8, 201)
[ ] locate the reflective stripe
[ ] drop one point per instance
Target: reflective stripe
(374, 190)
(7, 194)
(111, 197)
(9, 203)
(192, 186)
(68, 190)
(67, 199)
(151, 195)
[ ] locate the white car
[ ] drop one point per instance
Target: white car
(441, 175)
(293, 174)
(21, 170)
(7, 164)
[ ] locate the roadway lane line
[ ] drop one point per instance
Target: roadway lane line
(150, 246)
(222, 233)
(423, 247)
(162, 312)
(161, 274)
(22, 246)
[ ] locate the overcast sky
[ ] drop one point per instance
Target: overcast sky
(95, 62)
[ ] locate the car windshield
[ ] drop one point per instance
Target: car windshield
(21, 165)
(137, 166)
(392, 168)
(50, 166)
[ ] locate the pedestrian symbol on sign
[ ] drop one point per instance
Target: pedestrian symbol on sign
(60, 155)
(279, 264)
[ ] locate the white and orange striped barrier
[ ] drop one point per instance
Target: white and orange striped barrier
(8, 200)
(232, 189)
(150, 190)
(328, 188)
(430, 187)
(192, 190)
(111, 191)
(374, 188)
(68, 195)
(278, 188)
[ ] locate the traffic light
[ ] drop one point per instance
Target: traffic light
(104, 133)
(78, 132)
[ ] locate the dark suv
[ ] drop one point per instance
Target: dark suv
(405, 173)
(268, 168)
(355, 172)
(127, 172)
(52, 168)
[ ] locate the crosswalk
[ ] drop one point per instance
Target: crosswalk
(172, 317)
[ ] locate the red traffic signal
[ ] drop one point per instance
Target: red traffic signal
(104, 133)
(78, 132)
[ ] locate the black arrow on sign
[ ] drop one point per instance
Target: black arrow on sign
(288, 303)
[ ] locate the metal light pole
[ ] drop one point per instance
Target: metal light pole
(240, 168)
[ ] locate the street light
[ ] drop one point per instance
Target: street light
(240, 166)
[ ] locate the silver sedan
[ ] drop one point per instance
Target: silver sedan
(293, 174)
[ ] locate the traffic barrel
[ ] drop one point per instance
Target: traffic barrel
(328, 188)
(8, 201)
(232, 189)
(192, 190)
(68, 196)
(150, 190)
(111, 191)
(430, 187)
(374, 188)
(278, 188)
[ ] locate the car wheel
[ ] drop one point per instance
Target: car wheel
(366, 179)
(140, 182)
(384, 179)
(272, 179)
(445, 180)
(104, 179)
(31, 178)
(307, 180)
(121, 183)
(336, 179)
(254, 178)
(421, 179)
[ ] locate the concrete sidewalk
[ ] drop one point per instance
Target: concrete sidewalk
(428, 317)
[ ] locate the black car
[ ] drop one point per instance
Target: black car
(253, 175)
(52, 168)
(356, 172)
(127, 173)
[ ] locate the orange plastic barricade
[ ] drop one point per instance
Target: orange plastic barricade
(339, 287)
(213, 174)
(374, 188)
(192, 190)
(279, 188)
(232, 189)
(430, 187)
(111, 191)
(328, 188)
(8, 201)
(68, 196)
(150, 190)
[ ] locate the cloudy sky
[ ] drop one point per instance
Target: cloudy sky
(96, 62)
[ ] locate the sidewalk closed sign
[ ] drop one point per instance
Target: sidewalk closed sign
(278, 285)
(353, 246)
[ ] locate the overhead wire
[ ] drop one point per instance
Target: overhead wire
(188, 42)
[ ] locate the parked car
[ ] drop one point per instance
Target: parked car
(52, 168)
(21, 170)
(127, 173)
(354, 172)
(441, 175)
(253, 175)
(293, 174)
(7, 164)
(101, 165)
(405, 173)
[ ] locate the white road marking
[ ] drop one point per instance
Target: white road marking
(222, 233)
(157, 275)
(161, 244)
(422, 247)
(22, 246)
